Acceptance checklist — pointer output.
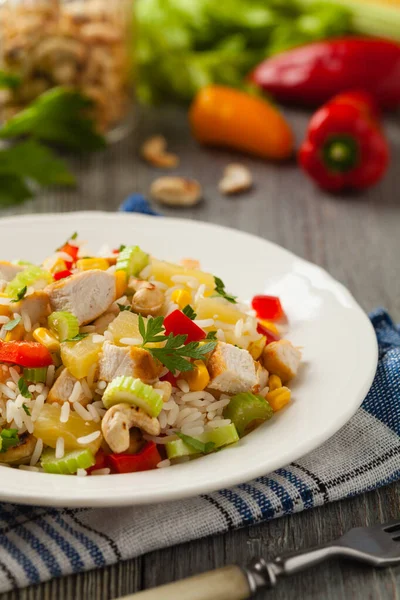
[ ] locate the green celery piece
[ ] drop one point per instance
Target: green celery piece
(246, 411)
(135, 392)
(59, 116)
(132, 260)
(221, 436)
(37, 375)
(26, 278)
(69, 464)
(64, 324)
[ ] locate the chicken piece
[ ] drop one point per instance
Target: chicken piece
(262, 378)
(87, 295)
(232, 370)
(36, 306)
(282, 358)
(103, 322)
(62, 389)
(8, 271)
(116, 361)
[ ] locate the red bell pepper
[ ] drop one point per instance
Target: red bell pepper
(268, 307)
(101, 462)
(344, 147)
(26, 354)
(270, 335)
(312, 74)
(170, 378)
(71, 250)
(179, 324)
(62, 274)
(145, 460)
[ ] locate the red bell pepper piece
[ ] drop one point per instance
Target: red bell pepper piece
(179, 324)
(170, 378)
(27, 354)
(270, 335)
(62, 274)
(145, 460)
(344, 147)
(268, 307)
(71, 250)
(312, 74)
(101, 462)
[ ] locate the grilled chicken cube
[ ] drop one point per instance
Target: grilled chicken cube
(116, 361)
(62, 389)
(232, 370)
(8, 271)
(87, 295)
(282, 358)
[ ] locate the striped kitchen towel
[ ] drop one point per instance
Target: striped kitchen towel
(37, 544)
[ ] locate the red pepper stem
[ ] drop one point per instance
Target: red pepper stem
(341, 153)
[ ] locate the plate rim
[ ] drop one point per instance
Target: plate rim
(229, 480)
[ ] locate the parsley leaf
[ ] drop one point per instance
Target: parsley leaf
(122, 247)
(123, 307)
(211, 335)
(196, 444)
(26, 409)
(220, 289)
(8, 439)
(9, 80)
(151, 332)
(189, 312)
(11, 324)
(21, 294)
(77, 338)
(71, 237)
(23, 388)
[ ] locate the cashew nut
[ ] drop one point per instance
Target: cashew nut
(154, 152)
(148, 300)
(176, 191)
(18, 455)
(166, 389)
(237, 178)
(119, 419)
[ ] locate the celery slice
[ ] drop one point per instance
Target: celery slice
(69, 463)
(64, 324)
(132, 260)
(133, 391)
(37, 375)
(221, 436)
(26, 278)
(246, 411)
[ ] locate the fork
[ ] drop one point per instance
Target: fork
(378, 546)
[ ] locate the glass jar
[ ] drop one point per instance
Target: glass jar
(82, 44)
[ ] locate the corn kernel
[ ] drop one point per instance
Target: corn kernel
(197, 379)
(5, 310)
(54, 266)
(87, 264)
(256, 348)
(16, 334)
(120, 283)
(270, 326)
(278, 398)
(274, 382)
(181, 297)
(46, 338)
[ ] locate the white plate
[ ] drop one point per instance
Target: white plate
(340, 353)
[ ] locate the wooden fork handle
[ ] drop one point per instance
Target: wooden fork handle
(228, 583)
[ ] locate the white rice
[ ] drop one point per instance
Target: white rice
(164, 463)
(218, 404)
(94, 412)
(11, 385)
(88, 439)
(36, 454)
(102, 385)
(105, 471)
(60, 447)
(190, 396)
(14, 374)
(200, 293)
(173, 415)
(219, 423)
(28, 468)
(239, 328)
(39, 402)
(5, 301)
(86, 389)
(76, 392)
(91, 374)
(82, 412)
(191, 430)
(131, 341)
(220, 335)
(39, 387)
(203, 323)
(7, 392)
(162, 418)
(183, 385)
(27, 420)
(32, 388)
(26, 320)
(4, 320)
(65, 411)
(108, 336)
(81, 473)
(50, 375)
(98, 339)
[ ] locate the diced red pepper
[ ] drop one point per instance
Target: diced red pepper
(145, 460)
(268, 307)
(101, 462)
(62, 274)
(179, 324)
(27, 354)
(71, 250)
(170, 378)
(270, 335)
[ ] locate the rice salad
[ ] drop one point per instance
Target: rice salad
(120, 362)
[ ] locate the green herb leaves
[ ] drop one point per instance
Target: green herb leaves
(196, 444)
(26, 410)
(23, 388)
(220, 289)
(211, 335)
(77, 338)
(8, 439)
(189, 312)
(174, 354)
(123, 307)
(20, 294)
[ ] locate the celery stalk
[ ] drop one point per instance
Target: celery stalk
(246, 411)
(37, 375)
(69, 464)
(27, 277)
(221, 436)
(134, 392)
(64, 324)
(132, 260)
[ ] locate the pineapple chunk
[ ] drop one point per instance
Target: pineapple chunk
(49, 428)
(125, 325)
(220, 309)
(163, 271)
(79, 357)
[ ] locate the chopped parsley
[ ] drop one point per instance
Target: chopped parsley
(8, 439)
(26, 409)
(123, 307)
(72, 237)
(20, 294)
(23, 388)
(220, 289)
(77, 338)
(196, 444)
(189, 312)
(211, 335)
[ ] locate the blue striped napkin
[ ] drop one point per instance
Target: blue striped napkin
(37, 544)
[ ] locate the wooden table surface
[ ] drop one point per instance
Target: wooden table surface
(356, 238)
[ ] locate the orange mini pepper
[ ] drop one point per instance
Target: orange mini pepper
(223, 116)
